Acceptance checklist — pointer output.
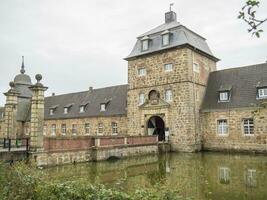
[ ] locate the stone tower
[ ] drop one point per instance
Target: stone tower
(168, 70)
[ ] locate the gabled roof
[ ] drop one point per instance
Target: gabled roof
(244, 82)
(179, 36)
(116, 95)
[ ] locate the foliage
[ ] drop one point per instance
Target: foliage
(248, 14)
(24, 181)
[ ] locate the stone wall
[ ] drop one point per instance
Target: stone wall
(94, 121)
(235, 140)
(2, 128)
(181, 116)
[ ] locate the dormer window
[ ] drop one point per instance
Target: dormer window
(82, 109)
(224, 96)
(102, 107)
(262, 93)
(224, 93)
(145, 43)
(51, 111)
(66, 110)
(165, 38)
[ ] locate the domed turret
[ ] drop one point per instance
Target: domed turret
(22, 78)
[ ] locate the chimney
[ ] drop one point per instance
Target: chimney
(90, 89)
(170, 17)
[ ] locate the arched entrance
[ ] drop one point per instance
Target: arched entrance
(156, 126)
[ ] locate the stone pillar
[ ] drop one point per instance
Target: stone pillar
(37, 116)
(10, 112)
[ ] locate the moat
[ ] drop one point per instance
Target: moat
(197, 176)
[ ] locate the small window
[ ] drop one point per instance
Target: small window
(222, 127)
(45, 130)
(168, 67)
(87, 128)
(196, 67)
(165, 39)
(141, 72)
(224, 96)
(262, 93)
(251, 178)
(82, 109)
(248, 126)
(102, 107)
(114, 128)
(66, 110)
(51, 111)
(145, 45)
(63, 129)
(141, 99)
(100, 129)
(53, 129)
(224, 175)
(168, 95)
(74, 129)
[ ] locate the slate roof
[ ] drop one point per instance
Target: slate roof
(243, 81)
(115, 97)
(180, 35)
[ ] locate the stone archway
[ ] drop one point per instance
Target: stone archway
(156, 126)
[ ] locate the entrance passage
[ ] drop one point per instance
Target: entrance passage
(156, 126)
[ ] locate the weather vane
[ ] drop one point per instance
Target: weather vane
(171, 4)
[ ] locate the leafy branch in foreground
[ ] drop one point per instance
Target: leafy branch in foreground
(248, 14)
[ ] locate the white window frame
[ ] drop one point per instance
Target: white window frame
(45, 130)
(224, 175)
(262, 92)
(66, 110)
(222, 127)
(82, 109)
(224, 96)
(53, 129)
(114, 126)
(196, 67)
(166, 39)
(141, 71)
(251, 177)
(87, 128)
(168, 95)
(145, 45)
(63, 129)
(141, 99)
(103, 107)
(168, 67)
(100, 129)
(51, 111)
(248, 127)
(74, 129)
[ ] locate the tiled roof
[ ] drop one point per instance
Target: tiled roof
(115, 97)
(243, 81)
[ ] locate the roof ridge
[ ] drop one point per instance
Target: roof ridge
(241, 67)
(71, 93)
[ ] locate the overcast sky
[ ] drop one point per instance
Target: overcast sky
(75, 44)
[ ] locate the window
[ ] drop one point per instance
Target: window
(141, 72)
(224, 96)
(82, 109)
(66, 110)
(100, 129)
(248, 126)
(53, 129)
(87, 128)
(45, 130)
(168, 95)
(51, 111)
(165, 39)
(262, 93)
(196, 67)
(222, 127)
(114, 128)
(74, 129)
(251, 178)
(145, 45)
(168, 67)
(141, 99)
(102, 107)
(224, 175)
(63, 129)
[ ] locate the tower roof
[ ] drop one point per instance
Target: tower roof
(22, 78)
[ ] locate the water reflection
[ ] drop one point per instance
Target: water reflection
(197, 176)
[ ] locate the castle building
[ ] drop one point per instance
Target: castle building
(174, 91)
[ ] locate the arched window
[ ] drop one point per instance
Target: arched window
(153, 95)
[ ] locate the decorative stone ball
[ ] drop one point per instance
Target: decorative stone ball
(38, 77)
(11, 84)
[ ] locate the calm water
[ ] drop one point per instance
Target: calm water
(198, 176)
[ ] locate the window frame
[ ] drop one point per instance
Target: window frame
(262, 93)
(196, 67)
(141, 69)
(87, 128)
(74, 129)
(103, 107)
(168, 69)
(82, 109)
(51, 111)
(100, 126)
(45, 129)
(168, 39)
(222, 128)
(221, 95)
(139, 99)
(114, 126)
(63, 127)
(53, 130)
(66, 110)
(249, 126)
(143, 42)
(170, 95)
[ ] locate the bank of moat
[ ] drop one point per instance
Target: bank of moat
(174, 92)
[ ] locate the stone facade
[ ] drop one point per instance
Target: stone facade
(235, 139)
(182, 113)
